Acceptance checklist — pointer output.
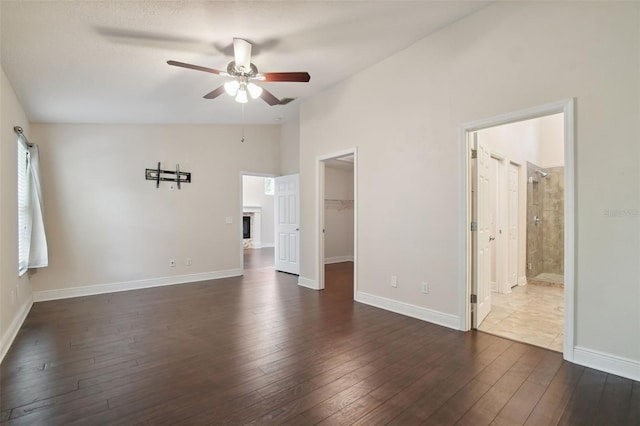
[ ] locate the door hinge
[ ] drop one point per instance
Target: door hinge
(474, 154)
(474, 298)
(474, 226)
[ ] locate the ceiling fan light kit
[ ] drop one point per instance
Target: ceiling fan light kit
(254, 90)
(231, 87)
(242, 72)
(238, 88)
(241, 97)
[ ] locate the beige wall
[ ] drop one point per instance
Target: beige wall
(15, 293)
(253, 196)
(106, 224)
(338, 222)
(508, 56)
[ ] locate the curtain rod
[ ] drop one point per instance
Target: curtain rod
(20, 132)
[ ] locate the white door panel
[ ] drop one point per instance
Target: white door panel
(287, 206)
(483, 234)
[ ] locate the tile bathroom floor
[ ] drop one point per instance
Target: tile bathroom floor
(531, 314)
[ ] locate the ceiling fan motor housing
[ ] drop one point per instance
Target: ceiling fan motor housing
(239, 72)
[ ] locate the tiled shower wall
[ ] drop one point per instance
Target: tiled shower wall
(545, 240)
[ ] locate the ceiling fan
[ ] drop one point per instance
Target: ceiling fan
(243, 74)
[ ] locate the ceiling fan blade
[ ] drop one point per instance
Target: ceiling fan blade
(214, 93)
(269, 98)
(242, 53)
(300, 77)
(196, 67)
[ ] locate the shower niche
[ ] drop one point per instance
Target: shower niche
(545, 225)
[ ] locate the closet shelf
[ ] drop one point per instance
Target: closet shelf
(332, 204)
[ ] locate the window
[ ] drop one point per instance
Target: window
(24, 209)
(268, 186)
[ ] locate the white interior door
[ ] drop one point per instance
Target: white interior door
(513, 225)
(495, 223)
(287, 207)
(483, 236)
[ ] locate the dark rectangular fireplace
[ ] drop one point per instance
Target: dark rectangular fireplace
(246, 226)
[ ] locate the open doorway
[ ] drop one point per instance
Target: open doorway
(526, 229)
(257, 221)
(520, 205)
(337, 224)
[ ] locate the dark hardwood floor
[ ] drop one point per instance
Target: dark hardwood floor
(258, 258)
(259, 349)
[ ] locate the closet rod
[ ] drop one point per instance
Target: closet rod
(20, 132)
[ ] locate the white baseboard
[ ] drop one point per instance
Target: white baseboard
(338, 259)
(12, 331)
(65, 293)
(260, 245)
(522, 280)
(308, 283)
(606, 362)
(429, 315)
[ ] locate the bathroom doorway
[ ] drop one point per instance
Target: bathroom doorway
(522, 294)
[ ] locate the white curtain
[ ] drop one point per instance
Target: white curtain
(38, 253)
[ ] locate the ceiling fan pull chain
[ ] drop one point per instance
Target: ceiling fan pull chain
(242, 108)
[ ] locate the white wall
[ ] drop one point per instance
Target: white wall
(506, 57)
(338, 222)
(253, 196)
(15, 293)
(290, 148)
(106, 224)
(551, 136)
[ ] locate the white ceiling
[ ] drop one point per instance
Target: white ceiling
(105, 61)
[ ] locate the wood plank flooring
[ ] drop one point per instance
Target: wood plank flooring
(259, 349)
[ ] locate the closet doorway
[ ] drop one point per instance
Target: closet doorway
(337, 224)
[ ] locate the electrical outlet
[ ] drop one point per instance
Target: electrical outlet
(394, 281)
(13, 296)
(172, 262)
(529, 266)
(228, 219)
(188, 261)
(425, 288)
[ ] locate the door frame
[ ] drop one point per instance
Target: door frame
(241, 208)
(567, 108)
(320, 187)
(518, 168)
